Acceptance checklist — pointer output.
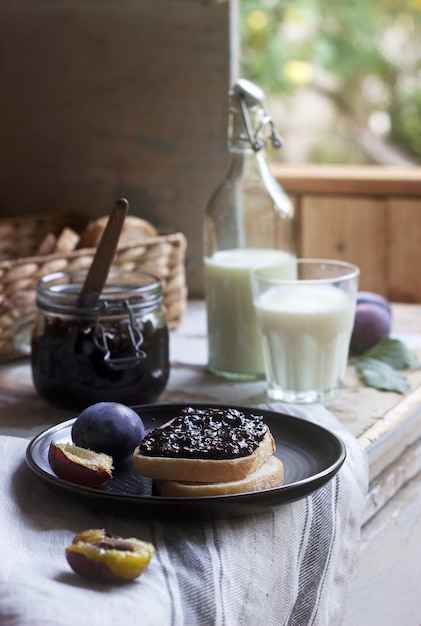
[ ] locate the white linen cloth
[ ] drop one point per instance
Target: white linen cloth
(289, 566)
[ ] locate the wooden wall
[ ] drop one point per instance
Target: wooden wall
(102, 99)
(370, 216)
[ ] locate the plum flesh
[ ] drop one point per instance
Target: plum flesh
(78, 465)
(103, 557)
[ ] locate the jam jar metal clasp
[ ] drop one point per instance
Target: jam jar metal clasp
(126, 337)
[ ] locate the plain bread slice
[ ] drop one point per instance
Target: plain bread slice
(267, 476)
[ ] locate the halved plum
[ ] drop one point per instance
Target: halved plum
(80, 465)
(103, 557)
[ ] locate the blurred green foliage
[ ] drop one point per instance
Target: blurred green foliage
(363, 55)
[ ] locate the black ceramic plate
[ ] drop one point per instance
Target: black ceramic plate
(311, 456)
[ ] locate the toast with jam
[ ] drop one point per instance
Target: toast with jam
(210, 451)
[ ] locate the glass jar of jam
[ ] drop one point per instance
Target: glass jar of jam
(114, 349)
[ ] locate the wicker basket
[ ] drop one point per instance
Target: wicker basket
(163, 256)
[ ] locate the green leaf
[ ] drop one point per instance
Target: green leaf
(393, 352)
(381, 375)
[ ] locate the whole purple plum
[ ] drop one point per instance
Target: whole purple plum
(373, 322)
(109, 427)
(370, 297)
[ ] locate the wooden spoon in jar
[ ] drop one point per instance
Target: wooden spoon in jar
(104, 255)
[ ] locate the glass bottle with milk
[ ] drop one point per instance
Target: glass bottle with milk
(248, 223)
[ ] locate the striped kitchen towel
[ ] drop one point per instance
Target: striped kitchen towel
(288, 566)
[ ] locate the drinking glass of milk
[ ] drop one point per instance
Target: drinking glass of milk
(305, 323)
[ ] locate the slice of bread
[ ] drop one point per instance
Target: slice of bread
(267, 476)
(204, 470)
(206, 445)
(66, 241)
(134, 230)
(47, 245)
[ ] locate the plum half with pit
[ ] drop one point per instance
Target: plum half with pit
(103, 557)
(109, 427)
(373, 322)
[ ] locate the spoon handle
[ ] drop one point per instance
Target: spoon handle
(98, 271)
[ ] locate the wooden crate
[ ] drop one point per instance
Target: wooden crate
(369, 215)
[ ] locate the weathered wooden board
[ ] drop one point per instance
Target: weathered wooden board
(404, 249)
(369, 215)
(387, 424)
(385, 587)
(349, 229)
(349, 180)
(105, 99)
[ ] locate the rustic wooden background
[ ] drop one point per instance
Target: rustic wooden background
(370, 216)
(103, 99)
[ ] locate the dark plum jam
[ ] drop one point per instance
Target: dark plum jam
(117, 351)
(212, 433)
(70, 371)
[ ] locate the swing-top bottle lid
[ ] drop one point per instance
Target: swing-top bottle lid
(251, 93)
(245, 96)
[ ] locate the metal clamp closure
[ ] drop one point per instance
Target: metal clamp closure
(256, 143)
(130, 331)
